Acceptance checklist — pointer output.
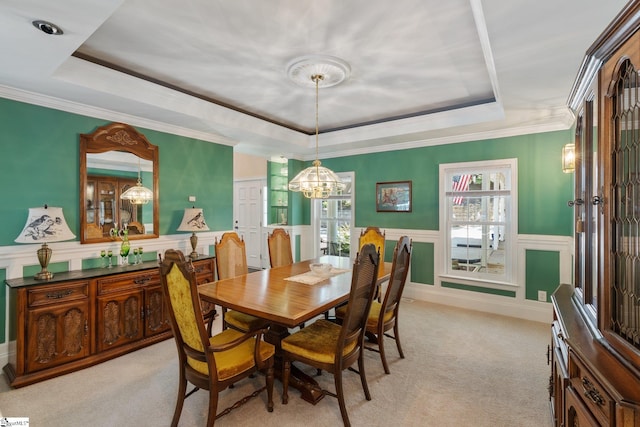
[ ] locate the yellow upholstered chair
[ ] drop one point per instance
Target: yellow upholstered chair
(279, 248)
(331, 347)
(375, 236)
(210, 363)
(384, 316)
(231, 261)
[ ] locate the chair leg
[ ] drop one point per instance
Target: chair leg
(270, 388)
(286, 370)
(363, 377)
(383, 355)
(396, 334)
(213, 407)
(182, 390)
(337, 377)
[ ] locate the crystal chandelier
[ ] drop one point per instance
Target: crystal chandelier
(138, 195)
(316, 181)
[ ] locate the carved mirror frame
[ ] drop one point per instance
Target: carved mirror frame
(124, 138)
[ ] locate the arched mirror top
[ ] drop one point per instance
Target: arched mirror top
(112, 159)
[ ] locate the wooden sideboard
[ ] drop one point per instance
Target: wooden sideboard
(81, 318)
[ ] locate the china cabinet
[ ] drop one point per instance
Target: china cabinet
(595, 345)
(80, 318)
(105, 210)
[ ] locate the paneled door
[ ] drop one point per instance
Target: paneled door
(248, 212)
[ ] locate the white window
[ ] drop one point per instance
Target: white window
(333, 220)
(478, 203)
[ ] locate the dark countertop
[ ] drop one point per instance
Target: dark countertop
(89, 273)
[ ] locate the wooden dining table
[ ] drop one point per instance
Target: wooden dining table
(287, 303)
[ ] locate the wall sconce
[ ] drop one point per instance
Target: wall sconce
(193, 220)
(568, 158)
(45, 225)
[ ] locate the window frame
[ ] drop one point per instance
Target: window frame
(446, 173)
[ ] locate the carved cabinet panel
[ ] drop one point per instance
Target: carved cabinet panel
(57, 326)
(120, 319)
(156, 317)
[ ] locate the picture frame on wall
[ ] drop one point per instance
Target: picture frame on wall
(393, 196)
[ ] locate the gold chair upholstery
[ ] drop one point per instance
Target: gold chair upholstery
(210, 363)
(331, 347)
(279, 248)
(231, 261)
(384, 316)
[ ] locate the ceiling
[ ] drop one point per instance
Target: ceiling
(421, 72)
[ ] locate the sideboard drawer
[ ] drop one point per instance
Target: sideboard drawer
(205, 270)
(55, 294)
(123, 282)
(591, 392)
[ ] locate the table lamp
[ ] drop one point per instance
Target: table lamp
(45, 225)
(193, 220)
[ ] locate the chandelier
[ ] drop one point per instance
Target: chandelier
(316, 181)
(138, 194)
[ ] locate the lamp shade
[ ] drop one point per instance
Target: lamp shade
(46, 224)
(193, 220)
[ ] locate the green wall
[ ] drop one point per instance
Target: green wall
(543, 189)
(40, 163)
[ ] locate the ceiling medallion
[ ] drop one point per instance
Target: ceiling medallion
(333, 70)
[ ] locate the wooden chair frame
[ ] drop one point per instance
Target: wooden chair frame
(230, 264)
(279, 242)
(351, 335)
(175, 259)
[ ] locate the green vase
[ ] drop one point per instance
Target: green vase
(125, 247)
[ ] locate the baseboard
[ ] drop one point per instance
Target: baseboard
(487, 303)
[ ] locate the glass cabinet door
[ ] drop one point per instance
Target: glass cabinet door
(107, 205)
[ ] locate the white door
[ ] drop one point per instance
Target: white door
(248, 211)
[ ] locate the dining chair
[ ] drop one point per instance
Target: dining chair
(384, 316)
(209, 363)
(377, 237)
(330, 347)
(279, 243)
(231, 261)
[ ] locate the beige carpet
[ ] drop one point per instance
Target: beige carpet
(462, 368)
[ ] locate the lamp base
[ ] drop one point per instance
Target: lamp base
(194, 243)
(44, 255)
(44, 275)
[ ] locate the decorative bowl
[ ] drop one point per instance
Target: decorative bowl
(321, 269)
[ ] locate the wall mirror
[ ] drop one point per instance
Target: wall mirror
(112, 159)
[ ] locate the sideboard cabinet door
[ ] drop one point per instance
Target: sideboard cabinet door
(57, 326)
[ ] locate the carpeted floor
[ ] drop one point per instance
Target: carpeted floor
(462, 368)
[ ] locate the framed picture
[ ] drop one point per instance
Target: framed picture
(393, 196)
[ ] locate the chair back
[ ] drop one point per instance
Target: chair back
(279, 248)
(231, 256)
(180, 289)
(377, 237)
(397, 279)
(363, 286)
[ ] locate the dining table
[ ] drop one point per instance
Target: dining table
(288, 296)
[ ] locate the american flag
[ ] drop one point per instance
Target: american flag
(460, 183)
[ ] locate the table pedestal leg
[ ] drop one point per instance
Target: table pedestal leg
(309, 388)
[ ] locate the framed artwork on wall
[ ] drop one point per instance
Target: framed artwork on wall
(393, 196)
